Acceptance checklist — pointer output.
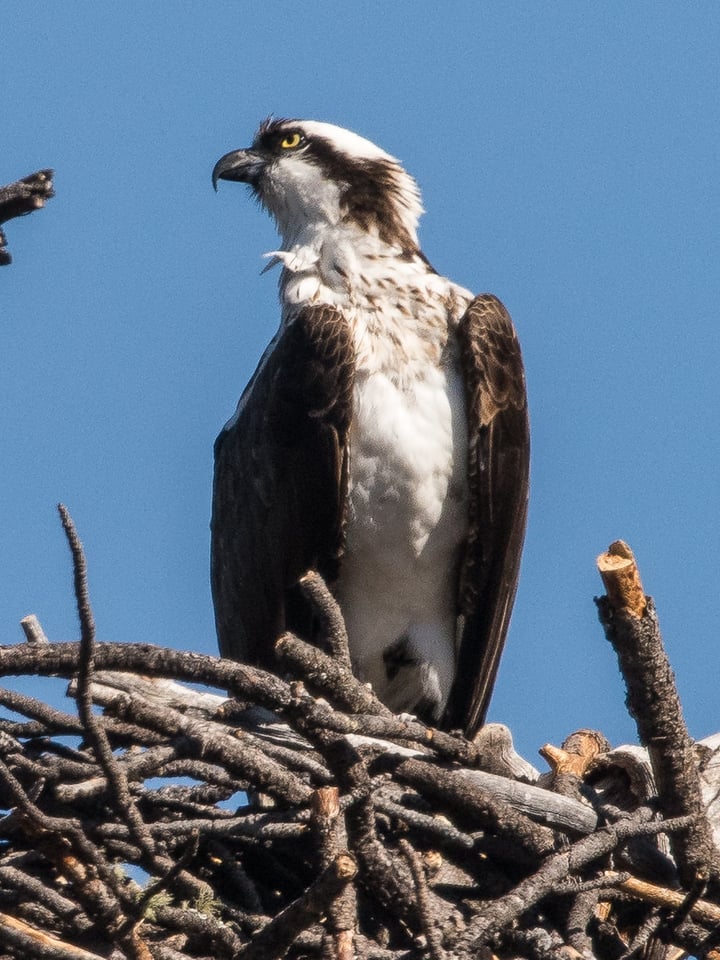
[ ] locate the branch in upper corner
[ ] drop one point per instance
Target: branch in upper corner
(21, 197)
(631, 625)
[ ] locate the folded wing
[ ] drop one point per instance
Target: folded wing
(498, 477)
(281, 469)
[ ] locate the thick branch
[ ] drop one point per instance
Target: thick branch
(329, 829)
(462, 795)
(653, 702)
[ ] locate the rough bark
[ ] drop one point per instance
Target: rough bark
(631, 625)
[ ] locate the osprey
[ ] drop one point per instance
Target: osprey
(383, 439)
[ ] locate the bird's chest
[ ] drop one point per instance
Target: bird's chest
(408, 465)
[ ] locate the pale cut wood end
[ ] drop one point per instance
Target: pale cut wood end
(621, 579)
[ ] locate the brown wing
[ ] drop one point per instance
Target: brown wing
(280, 482)
(498, 472)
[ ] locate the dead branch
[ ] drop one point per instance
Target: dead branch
(505, 910)
(22, 197)
(329, 676)
(631, 625)
(461, 795)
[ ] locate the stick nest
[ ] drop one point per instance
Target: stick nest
(258, 815)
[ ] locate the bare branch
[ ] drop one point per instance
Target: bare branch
(22, 197)
(652, 698)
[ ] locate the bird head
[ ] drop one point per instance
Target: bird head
(309, 173)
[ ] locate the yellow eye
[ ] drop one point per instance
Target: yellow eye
(291, 141)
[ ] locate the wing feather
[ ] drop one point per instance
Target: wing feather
(498, 475)
(279, 492)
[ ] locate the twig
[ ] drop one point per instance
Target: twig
(216, 937)
(232, 751)
(331, 676)
(73, 853)
(621, 579)
(50, 719)
(31, 887)
(390, 885)
(117, 781)
(62, 659)
(432, 828)
(165, 882)
(326, 821)
(582, 909)
(114, 772)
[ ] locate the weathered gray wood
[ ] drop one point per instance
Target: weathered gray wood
(543, 806)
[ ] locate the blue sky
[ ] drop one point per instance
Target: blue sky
(568, 157)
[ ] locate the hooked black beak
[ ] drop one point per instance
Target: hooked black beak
(244, 166)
